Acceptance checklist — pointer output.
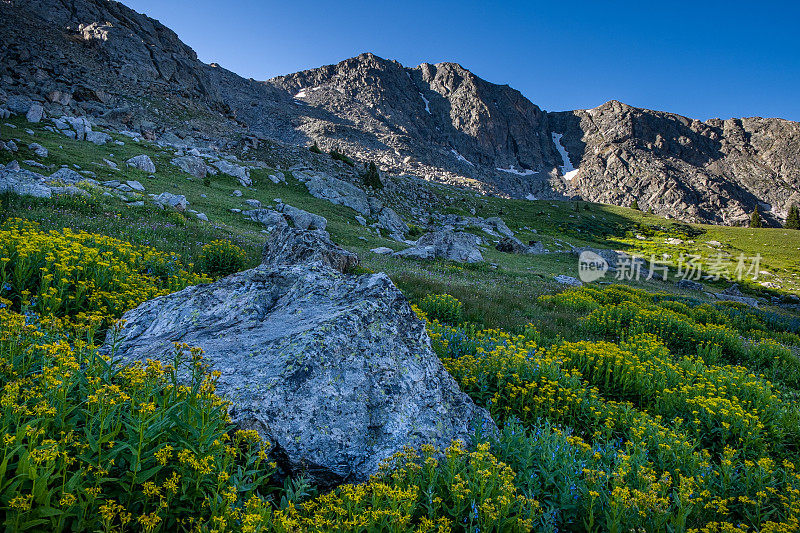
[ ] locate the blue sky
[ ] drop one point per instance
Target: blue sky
(702, 59)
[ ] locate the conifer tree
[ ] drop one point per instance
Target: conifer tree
(793, 220)
(755, 219)
(372, 177)
(635, 205)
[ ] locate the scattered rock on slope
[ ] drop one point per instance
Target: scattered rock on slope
(445, 244)
(142, 162)
(335, 370)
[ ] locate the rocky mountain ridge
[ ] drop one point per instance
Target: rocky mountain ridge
(439, 122)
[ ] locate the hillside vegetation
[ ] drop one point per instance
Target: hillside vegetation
(621, 407)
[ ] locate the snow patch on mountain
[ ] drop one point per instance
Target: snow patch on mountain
(518, 172)
(567, 170)
(427, 103)
(461, 157)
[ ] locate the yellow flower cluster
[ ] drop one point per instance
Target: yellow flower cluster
(89, 277)
(695, 445)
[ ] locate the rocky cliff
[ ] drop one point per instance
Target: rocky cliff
(440, 122)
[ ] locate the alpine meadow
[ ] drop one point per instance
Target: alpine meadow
(368, 297)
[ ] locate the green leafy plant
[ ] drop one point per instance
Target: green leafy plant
(221, 258)
(341, 157)
(371, 176)
(442, 307)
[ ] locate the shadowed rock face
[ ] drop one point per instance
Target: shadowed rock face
(336, 371)
(440, 122)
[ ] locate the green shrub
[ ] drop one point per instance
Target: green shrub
(207, 181)
(442, 307)
(371, 176)
(89, 445)
(176, 218)
(341, 157)
(414, 231)
(221, 258)
(315, 148)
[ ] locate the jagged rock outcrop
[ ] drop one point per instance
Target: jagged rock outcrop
(440, 122)
(336, 371)
(291, 246)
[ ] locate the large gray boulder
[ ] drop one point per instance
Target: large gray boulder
(291, 246)
(302, 219)
(98, 137)
(336, 191)
(35, 113)
(196, 166)
(269, 218)
(65, 175)
(391, 222)
(23, 182)
(174, 201)
(336, 371)
(239, 172)
(512, 245)
(445, 244)
(142, 162)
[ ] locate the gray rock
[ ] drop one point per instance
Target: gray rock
(240, 173)
(80, 125)
(135, 185)
(382, 250)
(336, 371)
(303, 219)
(391, 222)
(292, 246)
(269, 218)
(202, 216)
(689, 285)
(361, 220)
(11, 146)
(500, 226)
(733, 294)
(445, 244)
(110, 163)
(38, 149)
(23, 182)
(18, 104)
(98, 137)
(236, 193)
(142, 162)
(253, 202)
(193, 165)
(65, 175)
(336, 191)
(611, 257)
(277, 178)
(512, 245)
(35, 113)
(568, 280)
(175, 201)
